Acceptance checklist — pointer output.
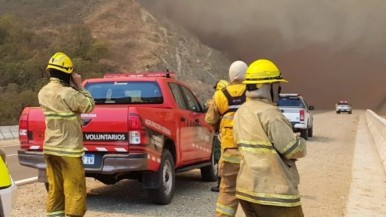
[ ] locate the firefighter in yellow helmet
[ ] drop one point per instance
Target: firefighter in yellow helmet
(267, 183)
(226, 102)
(220, 84)
(63, 142)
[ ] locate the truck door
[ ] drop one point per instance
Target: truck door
(195, 134)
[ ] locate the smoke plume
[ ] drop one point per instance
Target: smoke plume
(328, 50)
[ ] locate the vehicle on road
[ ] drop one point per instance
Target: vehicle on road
(295, 108)
(145, 126)
(7, 188)
(343, 106)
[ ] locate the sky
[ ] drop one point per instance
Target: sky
(328, 50)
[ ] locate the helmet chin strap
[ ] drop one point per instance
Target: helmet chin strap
(271, 92)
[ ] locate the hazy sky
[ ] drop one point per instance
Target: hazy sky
(328, 50)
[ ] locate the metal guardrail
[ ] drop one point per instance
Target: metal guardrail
(9, 132)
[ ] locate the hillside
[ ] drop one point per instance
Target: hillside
(136, 40)
(140, 42)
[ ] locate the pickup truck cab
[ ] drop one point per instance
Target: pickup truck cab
(145, 126)
(295, 108)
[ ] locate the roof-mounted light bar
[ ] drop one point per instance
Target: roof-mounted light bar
(142, 74)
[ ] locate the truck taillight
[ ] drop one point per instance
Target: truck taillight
(301, 114)
(23, 129)
(137, 133)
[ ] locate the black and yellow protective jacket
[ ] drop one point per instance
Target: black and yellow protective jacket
(226, 102)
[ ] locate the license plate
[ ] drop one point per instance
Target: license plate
(88, 159)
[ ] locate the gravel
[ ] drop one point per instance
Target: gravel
(325, 175)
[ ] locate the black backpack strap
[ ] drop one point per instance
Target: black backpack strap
(234, 102)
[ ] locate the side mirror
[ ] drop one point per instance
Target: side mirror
(311, 107)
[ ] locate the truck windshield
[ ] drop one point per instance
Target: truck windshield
(290, 102)
(125, 92)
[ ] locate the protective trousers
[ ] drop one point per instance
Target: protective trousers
(258, 210)
(67, 186)
(228, 169)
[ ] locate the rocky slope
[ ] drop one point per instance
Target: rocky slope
(140, 42)
(137, 40)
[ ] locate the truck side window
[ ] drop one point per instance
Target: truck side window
(177, 95)
(193, 104)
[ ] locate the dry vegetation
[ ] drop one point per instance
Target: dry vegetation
(100, 36)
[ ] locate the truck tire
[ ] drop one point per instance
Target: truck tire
(210, 173)
(164, 194)
(310, 132)
(304, 134)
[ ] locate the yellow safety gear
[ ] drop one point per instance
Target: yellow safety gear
(67, 186)
(226, 109)
(5, 178)
(227, 202)
(62, 106)
(221, 84)
(61, 62)
(269, 148)
(262, 71)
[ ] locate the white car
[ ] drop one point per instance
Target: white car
(343, 106)
(7, 188)
(296, 110)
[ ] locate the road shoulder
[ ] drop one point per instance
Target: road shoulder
(367, 196)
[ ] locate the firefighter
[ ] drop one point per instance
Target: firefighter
(62, 105)
(220, 84)
(226, 102)
(267, 183)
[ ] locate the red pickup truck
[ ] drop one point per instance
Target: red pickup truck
(145, 126)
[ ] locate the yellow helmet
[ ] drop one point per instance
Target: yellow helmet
(221, 84)
(262, 71)
(61, 62)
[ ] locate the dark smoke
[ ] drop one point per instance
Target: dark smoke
(328, 50)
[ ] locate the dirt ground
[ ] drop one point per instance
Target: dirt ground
(325, 173)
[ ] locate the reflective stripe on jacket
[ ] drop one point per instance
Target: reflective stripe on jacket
(269, 148)
(62, 106)
(225, 109)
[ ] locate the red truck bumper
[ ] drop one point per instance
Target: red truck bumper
(109, 163)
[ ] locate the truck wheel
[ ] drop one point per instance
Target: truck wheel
(210, 173)
(310, 132)
(164, 194)
(350, 112)
(304, 134)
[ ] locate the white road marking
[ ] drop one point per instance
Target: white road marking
(11, 155)
(25, 181)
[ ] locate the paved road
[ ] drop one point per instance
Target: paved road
(341, 176)
(19, 173)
